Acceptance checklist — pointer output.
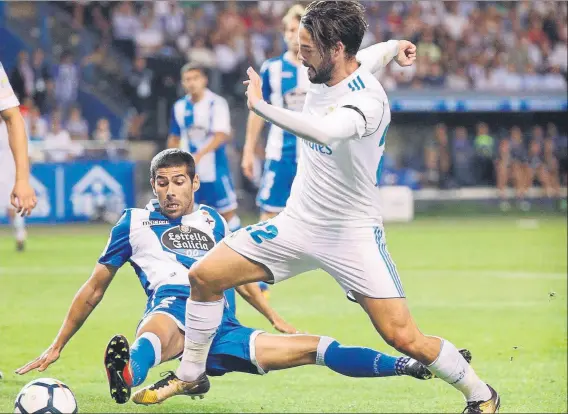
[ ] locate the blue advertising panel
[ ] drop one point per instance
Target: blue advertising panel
(80, 191)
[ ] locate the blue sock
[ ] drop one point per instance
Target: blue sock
(263, 286)
(143, 356)
(354, 361)
(234, 223)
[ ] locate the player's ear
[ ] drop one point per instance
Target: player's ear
(153, 189)
(196, 183)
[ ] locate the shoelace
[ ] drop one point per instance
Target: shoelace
(473, 407)
(163, 382)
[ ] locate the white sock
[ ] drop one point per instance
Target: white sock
(454, 369)
(156, 344)
(201, 322)
(323, 344)
(19, 224)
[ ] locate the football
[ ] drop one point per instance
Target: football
(46, 396)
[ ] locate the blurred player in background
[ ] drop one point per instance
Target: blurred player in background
(15, 188)
(332, 220)
(147, 240)
(201, 124)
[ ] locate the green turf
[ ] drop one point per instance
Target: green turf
(482, 283)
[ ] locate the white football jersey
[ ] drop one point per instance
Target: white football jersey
(7, 97)
(338, 185)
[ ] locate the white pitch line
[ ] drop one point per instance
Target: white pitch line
(65, 270)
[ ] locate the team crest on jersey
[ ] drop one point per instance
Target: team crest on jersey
(187, 241)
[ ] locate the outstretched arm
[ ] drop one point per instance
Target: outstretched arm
(23, 197)
(84, 302)
(343, 124)
(253, 295)
(379, 55)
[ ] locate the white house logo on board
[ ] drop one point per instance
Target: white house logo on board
(97, 191)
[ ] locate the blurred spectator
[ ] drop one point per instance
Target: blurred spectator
(484, 146)
(560, 148)
(503, 165)
(462, 158)
(125, 25)
(201, 55)
(453, 21)
(148, 38)
(537, 167)
(49, 102)
(22, 77)
(36, 126)
(519, 166)
(58, 143)
(140, 86)
(66, 82)
(435, 76)
(42, 75)
(77, 125)
(172, 22)
(427, 47)
(551, 166)
(437, 158)
(458, 81)
(102, 131)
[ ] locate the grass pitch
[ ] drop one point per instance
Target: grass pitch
(494, 285)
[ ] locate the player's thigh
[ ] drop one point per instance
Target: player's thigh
(358, 259)
(275, 352)
(278, 249)
(167, 331)
(223, 268)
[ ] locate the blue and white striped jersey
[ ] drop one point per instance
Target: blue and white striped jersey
(195, 124)
(162, 250)
(284, 84)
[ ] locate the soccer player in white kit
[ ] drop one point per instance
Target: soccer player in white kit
(17, 196)
(332, 220)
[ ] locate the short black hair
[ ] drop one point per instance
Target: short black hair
(173, 157)
(193, 66)
(333, 21)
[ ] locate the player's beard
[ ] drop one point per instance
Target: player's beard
(323, 73)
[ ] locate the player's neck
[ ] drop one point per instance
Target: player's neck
(343, 71)
(196, 97)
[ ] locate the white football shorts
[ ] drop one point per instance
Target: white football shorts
(357, 258)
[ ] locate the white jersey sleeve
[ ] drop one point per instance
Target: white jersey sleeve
(368, 106)
(221, 117)
(7, 97)
(377, 56)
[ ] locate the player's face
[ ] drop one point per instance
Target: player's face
(194, 82)
(174, 190)
(319, 67)
(291, 35)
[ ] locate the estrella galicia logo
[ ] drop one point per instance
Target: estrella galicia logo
(187, 241)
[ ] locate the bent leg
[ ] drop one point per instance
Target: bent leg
(158, 339)
(392, 319)
(274, 352)
(263, 252)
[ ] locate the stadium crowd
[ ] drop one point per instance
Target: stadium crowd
(471, 45)
(466, 46)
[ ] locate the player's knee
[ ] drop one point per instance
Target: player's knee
(402, 339)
